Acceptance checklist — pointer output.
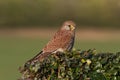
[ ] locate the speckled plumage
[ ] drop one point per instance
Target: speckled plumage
(63, 39)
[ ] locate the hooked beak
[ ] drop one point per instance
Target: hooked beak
(72, 27)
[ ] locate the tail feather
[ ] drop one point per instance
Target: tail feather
(33, 60)
(39, 57)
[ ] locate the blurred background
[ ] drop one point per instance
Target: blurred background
(27, 25)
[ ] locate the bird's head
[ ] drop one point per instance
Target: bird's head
(68, 25)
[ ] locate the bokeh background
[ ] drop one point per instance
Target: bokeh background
(27, 25)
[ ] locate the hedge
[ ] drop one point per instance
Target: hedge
(74, 65)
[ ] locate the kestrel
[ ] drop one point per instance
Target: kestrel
(63, 40)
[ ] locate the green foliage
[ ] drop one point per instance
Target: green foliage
(75, 65)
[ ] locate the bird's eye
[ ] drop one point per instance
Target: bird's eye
(69, 25)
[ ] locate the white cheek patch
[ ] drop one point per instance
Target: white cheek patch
(67, 28)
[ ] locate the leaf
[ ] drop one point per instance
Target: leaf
(97, 76)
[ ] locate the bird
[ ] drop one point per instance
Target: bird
(63, 40)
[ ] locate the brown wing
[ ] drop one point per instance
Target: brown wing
(61, 39)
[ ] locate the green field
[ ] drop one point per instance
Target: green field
(15, 51)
